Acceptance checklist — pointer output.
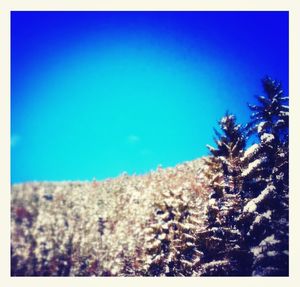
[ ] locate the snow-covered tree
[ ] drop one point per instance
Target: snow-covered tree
(221, 240)
(171, 238)
(230, 149)
(265, 183)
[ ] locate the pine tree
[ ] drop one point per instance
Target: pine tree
(221, 241)
(171, 238)
(265, 183)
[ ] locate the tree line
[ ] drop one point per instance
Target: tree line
(246, 221)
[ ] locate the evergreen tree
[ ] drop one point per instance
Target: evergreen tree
(221, 241)
(265, 183)
(171, 239)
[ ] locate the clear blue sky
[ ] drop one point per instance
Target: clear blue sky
(98, 93)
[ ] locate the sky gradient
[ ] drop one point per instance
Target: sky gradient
(94, 94)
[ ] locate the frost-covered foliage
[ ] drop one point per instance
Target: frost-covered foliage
(265, 183)
(171, 238)
(253, 204)
(271, 114)
(246, 225)
(98, 228)
(221, 239)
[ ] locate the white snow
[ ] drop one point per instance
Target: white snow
(165, 226)
(280, 176)
(225, 119)
(284, 114)
(190, 244)
(270, 188)
(250, 207)
(260, 127)
(232, 231)
(153, 245)
(215, 263)
(223, 159)
(149, 237)
(270, 240)
(256, 250)
(187, 226)
(210, 147)
(279, 122)
(259, 218)
(267, 138)
(285, 107)
(272, 253)
(250, 151)
(214, 229)
(252, 165)
(216, 238)
(162, 236)
(252, 204)
(212, 201)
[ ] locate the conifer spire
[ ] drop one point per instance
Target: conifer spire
(221, 240)
(265, 183)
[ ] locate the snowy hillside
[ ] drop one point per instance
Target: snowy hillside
(96, 228)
